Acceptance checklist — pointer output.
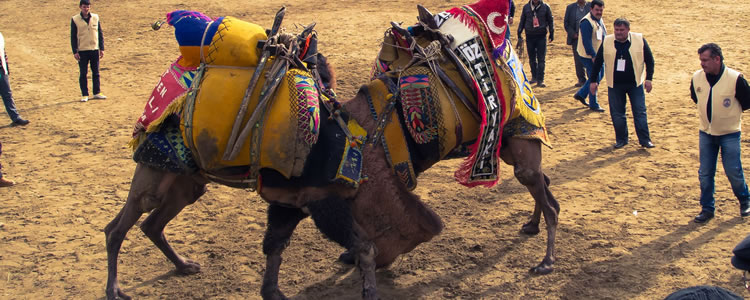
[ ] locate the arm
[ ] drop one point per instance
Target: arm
(586, 31)
(512, 12)
(648, 58)
(73, 37)
(692, 93)
(101, 37)
(7, 64)
(568, 22)
(550, 23)
(522, 21)
(598, 62)
(742, 92)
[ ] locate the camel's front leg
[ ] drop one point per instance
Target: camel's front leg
(281, 224)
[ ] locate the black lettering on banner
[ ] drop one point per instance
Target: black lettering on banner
(486, 164)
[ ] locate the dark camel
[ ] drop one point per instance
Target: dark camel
(335, 209)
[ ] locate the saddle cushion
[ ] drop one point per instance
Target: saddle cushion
(288, 129)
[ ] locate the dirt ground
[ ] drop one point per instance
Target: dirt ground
(73, 171)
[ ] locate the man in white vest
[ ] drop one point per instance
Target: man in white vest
(721, 94)
(87, 42)
(5, 93)
(629, 67)
(591, 32)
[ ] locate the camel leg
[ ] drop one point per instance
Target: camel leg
(527, 168)
(281, 224)
(333, 217)
(142, 191)
(182, 193)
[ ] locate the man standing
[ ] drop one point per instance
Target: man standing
(721, 95)
(573, 15)
(87, 42)
(629, 67)
(591, 32)
(536, 17)
(5, 93)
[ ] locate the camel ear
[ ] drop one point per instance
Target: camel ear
(426, 17)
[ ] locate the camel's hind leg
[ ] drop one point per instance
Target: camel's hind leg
(147, 189)
(526, 157)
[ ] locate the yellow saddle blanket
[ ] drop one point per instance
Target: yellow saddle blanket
(287, 130)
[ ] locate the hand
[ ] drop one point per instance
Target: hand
(510, 20)
(101, 53)
(593, 87)
(76, 56)
(575, 36)
(648, 86)
(551, 39)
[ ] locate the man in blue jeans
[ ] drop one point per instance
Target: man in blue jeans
(629, 67)
(591, 33)
(5, 93)
(721, 94)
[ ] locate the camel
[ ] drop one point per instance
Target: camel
(338, 211)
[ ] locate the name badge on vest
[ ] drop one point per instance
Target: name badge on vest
(727, 102)
(536, 22)
(620, 65)
(599, 34)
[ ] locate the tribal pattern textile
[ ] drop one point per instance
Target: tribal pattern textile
(417, 105)
(308, 109)
(165, 149)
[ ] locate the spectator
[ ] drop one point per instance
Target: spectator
(7, 95)
(721, 94)
(87, 42)
(536, 18)
(629, 68)
(591, 32)
(573, 15)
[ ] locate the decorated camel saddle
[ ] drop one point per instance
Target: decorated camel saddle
(451, 75)
(215, 112)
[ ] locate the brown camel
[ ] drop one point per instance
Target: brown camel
(343, 214)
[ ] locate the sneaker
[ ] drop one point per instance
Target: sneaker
(6, 183)
(533, 81)
(20, 122)
(745, 210)
(100, 96)
(84, 98)
(541, 84)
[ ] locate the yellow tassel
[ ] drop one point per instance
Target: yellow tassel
(172, 108)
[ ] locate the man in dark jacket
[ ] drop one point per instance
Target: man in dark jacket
(573, 15)
(536, 17)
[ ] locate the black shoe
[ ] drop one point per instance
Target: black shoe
(579, 84)
(580, 99)
(541, 84)
(703, 217)
(598, 109)
(533, 81)
(648, 144)
(744, 210)
(619, 145)
(20, 122)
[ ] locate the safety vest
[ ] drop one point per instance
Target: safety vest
(88, 33)
(726, 111)
(596, 26)
(2, 54)
(636, 56)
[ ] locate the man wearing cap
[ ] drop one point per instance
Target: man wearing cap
(629, 68)
(721, 94)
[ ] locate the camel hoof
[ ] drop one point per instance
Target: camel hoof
(542, 269)
(370, 294)
(530, 228)
(346, 258)
(189, 268)
(117, 294)
(272, 293)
